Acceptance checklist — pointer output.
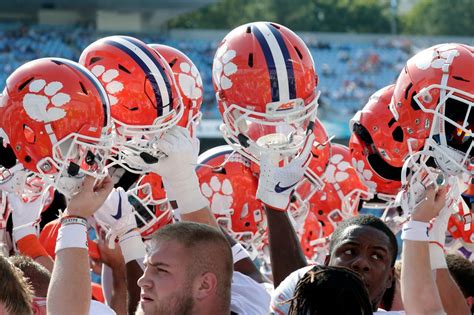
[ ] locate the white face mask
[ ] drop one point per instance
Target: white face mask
(13, 180)
(69, 186)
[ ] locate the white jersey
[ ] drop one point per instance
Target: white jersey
(286, 289)
(98, 308)
(248, 297)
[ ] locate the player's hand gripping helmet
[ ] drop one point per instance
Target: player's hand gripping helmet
(265, 84)
(55, 117)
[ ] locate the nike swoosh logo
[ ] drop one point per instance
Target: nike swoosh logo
(280, 189)
(119, 211)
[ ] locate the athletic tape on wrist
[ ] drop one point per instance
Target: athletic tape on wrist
(437, 256)
(239, 253)
(416, 231)
(71, 236)
(132, 246)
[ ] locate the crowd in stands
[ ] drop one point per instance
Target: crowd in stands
(349, 72)
(100, 172)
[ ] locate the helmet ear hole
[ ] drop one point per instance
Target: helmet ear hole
(29, 134)
(397, 134)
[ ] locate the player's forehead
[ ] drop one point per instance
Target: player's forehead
(363, 235)
(167, 252)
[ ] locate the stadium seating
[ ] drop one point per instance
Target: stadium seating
(348, 72)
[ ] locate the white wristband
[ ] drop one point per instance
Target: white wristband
(239, 253)
(71, 236)
(437, 257)
(416, 231)
(132, 246)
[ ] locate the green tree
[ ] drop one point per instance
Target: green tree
(225, 14)
(440, 17)
(301, 15)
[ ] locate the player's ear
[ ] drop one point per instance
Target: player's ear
(205, 285)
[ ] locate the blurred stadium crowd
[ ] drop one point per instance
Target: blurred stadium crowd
(349, 72)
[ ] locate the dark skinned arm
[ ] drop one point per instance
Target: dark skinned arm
(134, 272)
(286, 254)
(246, 265)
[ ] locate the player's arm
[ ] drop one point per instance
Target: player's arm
(117, 218)
(113, 258)
(451, 296)
(26, 217)
(181, 184)
(286, 254)
(70, 287)
(275, 185)
(419, 291)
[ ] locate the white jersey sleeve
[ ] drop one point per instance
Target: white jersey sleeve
(248, 296)
(285, 291)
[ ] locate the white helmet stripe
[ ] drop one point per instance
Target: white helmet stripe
(278, 58)
(153, 69)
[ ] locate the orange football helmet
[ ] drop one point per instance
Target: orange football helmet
(143, 94)
(55, 115)
(150, 205)
(265, 83)
(189, 82)
(228, 182)
(432, 102)
(339, 198)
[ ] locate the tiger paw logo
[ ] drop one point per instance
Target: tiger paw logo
(365, 174)
(190, 81)
(43, 101)
(223, 67)
(430, 58)
(336, 171)
(219, 194)
(107, 77)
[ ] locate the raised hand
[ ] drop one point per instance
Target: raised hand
(90, 198)
(116, 216)
(276, 183)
